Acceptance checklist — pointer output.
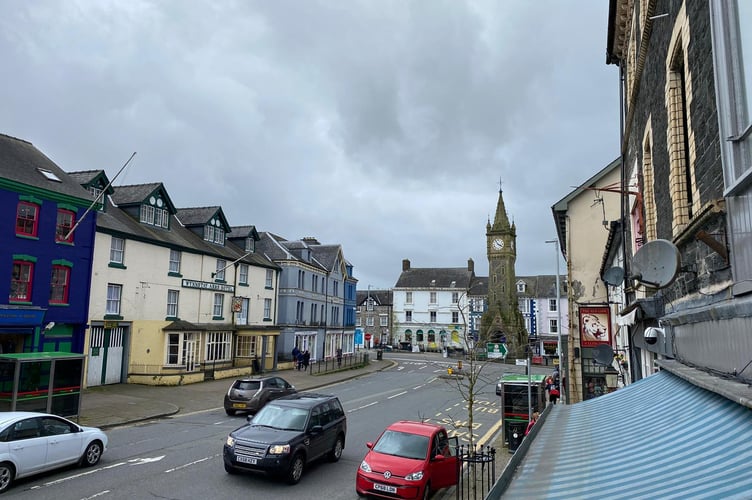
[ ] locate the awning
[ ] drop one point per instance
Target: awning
(660, 437)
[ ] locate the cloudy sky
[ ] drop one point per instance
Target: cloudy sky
(384, 126)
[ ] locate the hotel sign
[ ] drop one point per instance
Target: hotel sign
(205, 285)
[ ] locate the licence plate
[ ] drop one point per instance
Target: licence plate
(384, 487)
(246, 460)
(238, 405)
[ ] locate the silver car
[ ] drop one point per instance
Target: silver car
(31, 443)
(251, 394)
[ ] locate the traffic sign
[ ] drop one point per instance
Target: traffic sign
(368, 336)
(496, 350)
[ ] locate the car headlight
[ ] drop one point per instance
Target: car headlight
(279, 449)
(415, 476)
(230, 441)
(364, 466)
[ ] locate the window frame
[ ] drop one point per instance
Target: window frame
(174, 261)
(243, 274)
(61, 229)
(112, 300)
(173, 303)
(218, 306)
(65, 286)
(115, 252)
(28, 282)
(27, 221)
(219, 274)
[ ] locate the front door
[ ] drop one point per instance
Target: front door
(105, 355)
(190, 351)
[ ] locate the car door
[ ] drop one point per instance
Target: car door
(275, 388)
(64, 441)
(27, 447)
(317, 439)
(443, 471)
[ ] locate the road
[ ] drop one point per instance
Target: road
(181, 457)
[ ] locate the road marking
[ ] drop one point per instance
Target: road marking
(95, 495)
(192, 463)
(398, 394)
(82, 474)
(362, 407)
(142, 461)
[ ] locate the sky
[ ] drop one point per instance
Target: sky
(387, 127)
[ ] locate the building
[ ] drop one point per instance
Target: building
(173, 300)
(45, 253)
(542, 311)
(316, 296)
(431, 307)
(373, 318)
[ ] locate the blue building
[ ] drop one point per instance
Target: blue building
(46, 250)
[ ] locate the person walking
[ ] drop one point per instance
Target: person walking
(532, 423)
(306, 359)
(553, 390)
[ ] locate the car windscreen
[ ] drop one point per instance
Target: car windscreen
(247, 385)
(402, 444)
(281, 417)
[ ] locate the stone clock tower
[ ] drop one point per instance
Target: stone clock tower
(503, 321)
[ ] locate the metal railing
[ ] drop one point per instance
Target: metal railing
(476, 471)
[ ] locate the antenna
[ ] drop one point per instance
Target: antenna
(656, 263)
(613, 276)
(603, 354)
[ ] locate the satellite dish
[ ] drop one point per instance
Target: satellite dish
(613, 276)
(656, 263)
(603, 354)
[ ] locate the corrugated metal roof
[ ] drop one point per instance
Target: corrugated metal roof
(661, 437)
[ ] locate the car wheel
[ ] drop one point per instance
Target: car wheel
(230, 469)
(295, 472)
(336, 452)
(7, 473)
(230, 412)
(427, 492)
(92, 454)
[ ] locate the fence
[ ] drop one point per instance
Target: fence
(476, 472)
(333, 364)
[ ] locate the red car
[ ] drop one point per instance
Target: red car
(409, 460)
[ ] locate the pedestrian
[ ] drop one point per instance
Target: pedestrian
(296, 357)
(339, 357)
(306, 359)
(532, 423)
(553, 390)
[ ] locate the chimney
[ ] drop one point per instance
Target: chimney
(470, 265)
(405, 265)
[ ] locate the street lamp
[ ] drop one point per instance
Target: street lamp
(558, 307)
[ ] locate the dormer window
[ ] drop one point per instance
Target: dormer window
(95, 195)
(521, 287)
(214, 233)
(250, 245)
(154, 213)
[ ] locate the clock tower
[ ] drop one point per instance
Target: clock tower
(503, 321)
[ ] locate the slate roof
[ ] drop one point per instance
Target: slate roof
(541, 286)
(436, 277)
(20, 161)
(380, 297)
(243, 232)
(200, 216)
(479, 287)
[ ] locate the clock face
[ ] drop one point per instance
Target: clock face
(498, 244)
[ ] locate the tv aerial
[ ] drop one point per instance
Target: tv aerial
(613, 276)
(656, 263)
(603, 354)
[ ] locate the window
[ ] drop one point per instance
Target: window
(408, 297)
(21, 280)
(432, 298)
(432, 316)
(269, 276)
(173, 348)
(154, 216)
(95, 194)
(408, 316)
(369, 321)
(553, 325)
(219, 305)
(358, 321)
(250, 245)
(242, 317)
(117, 251)
(369, 304)
(267, 309)
(114, 293)
(299, 313)
(219, 275)
(172, 303)
(218, 346)
(455, 297)
(313, 313)
(65, 219)
(59, 285)
(552, 305)
(175, 256)
(383, 320)
(246, 346)
(243, 274)
(314, 283)
(335, 288)
(455, 317)
(301, 279)
(27, 219)
(521, 287)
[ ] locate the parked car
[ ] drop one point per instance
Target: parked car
(409, 460)
(251, 394)
(288, 434)
(31, 443)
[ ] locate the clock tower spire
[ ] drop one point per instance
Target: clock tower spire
(503, 321)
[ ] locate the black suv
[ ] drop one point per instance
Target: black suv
(251, 394)
(286, 435)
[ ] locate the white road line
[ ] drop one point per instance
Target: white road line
(361, 407)
(95, 495)
(192, 463)
(398, 394)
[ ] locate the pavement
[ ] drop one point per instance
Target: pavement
(114, 405)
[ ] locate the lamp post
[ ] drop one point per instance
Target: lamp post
(558, 307)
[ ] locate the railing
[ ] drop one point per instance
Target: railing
(332, 364)
(476, 471)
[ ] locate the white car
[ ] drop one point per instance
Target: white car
(31, 443)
